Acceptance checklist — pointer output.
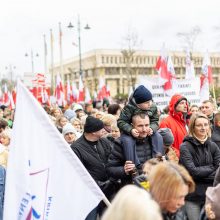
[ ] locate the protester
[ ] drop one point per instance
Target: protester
(115, 132)
(139, 102)
(168, 139)
(3, 125)
(108, 120)
(69, 114)
(169, 184)
(216, 129)
(207, 108)
(61, 121)
(56, 112)
(132, 203)
(93, 151)
(70, 134)
(177, 120)
(194, 109)
(5, 137)
(3, 155)
(114, 109)
(77, 124)
(124, 170)
(201, 157)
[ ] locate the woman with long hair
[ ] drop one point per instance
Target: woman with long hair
(201, 157)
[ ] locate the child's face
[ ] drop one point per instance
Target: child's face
(145, 105)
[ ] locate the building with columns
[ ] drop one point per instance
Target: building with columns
(120, 69)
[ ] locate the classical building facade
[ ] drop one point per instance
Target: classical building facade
(120, 69)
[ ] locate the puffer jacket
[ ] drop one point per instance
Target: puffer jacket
(124, 121)
(176, 122)
(202, 161)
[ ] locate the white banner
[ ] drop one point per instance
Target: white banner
(189, 88)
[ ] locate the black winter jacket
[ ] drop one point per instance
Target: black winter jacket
(94, 156)
(202, 161)
(116, 162)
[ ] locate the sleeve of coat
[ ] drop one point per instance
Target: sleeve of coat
(186, 160)
(154, 119)
(217, 177)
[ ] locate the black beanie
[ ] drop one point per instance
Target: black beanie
(93, 124)
(167, 136)
(142, 94)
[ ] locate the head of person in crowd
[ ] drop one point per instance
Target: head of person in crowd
(141, 123)
(61, 121)
(69, 133)
(93, 129)
(142, 97)
(3, 125)
(166, 110)
(132, 203)
(114, 109)
(5, 137)
(194, 109)
(56, 112)
(149, 164)
(69, 114)
(212, 202)
(78, 109)
(207, 108)
(77, 124)
(199, 127)
(176, 184)
(115, 131)
(168, 140)
(217, 119)
(88, 108)
(8, 116)
(47, 109)
(108, 120)
(178, 105)
(105, 104)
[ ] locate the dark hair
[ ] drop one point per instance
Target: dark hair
(3, 123)
(113, 108)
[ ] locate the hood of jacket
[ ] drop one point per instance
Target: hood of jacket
(173, 102)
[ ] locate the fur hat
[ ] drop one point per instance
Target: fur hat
(212, 202)
(167, 136)
(142, 94)
(93, 124)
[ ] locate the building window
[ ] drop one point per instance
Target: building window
(107, 60)
(103, 60)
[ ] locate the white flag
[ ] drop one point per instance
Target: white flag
(45, 179)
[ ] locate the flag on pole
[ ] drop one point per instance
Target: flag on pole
(45, 179)
(81, 96)
(190, 71)
(87, 96)
(59, 91)
(205, 78)
(102, 93)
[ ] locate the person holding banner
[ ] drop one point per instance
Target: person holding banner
(177, 120)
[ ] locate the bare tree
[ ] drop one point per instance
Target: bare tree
(189, 38)
(131, 44)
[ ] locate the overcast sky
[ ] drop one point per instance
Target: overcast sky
(24, 22)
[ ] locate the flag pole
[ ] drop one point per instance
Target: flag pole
(61, 53)
(52, 62)
(106, 201)
(45, 54)
(214, 95)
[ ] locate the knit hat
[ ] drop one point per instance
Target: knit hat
(77, 107)
(167, 136)
(68, 128)
(213, 200)
(142, 94)
(93, 124)
(69, 114)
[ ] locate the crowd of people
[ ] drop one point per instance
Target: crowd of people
(150, 164)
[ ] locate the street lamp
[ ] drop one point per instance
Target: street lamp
(79, 41)
(32, 59)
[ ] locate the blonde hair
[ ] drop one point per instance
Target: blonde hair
(192, 123)
(166, 180)
(132, 203)
(108, 119)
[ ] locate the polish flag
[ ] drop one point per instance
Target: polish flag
(102, 93)
(75, 92)
(190, 71)
(108, 93)
(14, 94)
(205, 78)
(5, 95)
(87, 96)
(162, 69)
(11, 101)
(59, 92)
(69, 94)
(171, 75)
(81, 96)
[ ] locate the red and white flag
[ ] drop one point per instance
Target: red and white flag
(59, 92)
(205, 78)
(87, 96)
(5, 96)
(69, 93)
(102, 93)
(81, 96)
(75, 92)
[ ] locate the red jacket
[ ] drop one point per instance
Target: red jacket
(176, 122)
